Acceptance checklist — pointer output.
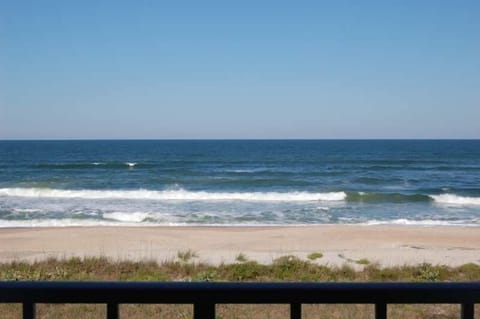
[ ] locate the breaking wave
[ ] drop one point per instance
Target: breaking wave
(171, 195)
(455, 199)
(387, 197)
(135, 217)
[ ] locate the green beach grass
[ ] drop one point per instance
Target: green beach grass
(287, 268)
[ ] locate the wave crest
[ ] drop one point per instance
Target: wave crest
(387, 197)
(179, 194)
(135, 217)
(91, 165)
(455, 199)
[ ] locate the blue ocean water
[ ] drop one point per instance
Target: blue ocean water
(236, 182)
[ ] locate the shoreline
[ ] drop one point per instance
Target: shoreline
(387, 245)
(245, 226)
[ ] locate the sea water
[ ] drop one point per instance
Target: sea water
(239, 182)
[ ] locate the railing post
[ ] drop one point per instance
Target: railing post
(467, 311)
(112, 311)
(380, 311)
(28, 310)
(295, 311)
(204, 310)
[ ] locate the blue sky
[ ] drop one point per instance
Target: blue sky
(239, 69)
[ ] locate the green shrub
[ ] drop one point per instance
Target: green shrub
(314, 256)
(241, 258)
(186, 255)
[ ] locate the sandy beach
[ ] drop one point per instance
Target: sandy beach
(386, 245)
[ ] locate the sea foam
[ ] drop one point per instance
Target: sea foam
(423, 222)
(179, 194)
(68, 222)
(455, 199)
(135, 217)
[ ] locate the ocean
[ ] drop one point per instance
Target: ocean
(239, 182)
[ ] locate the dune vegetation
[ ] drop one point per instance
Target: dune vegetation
(185, 268)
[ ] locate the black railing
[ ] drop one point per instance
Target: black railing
(204, 296)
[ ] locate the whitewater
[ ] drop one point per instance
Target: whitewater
(239, 183)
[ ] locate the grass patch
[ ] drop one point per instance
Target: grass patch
(315, 256)
(241, 258)
(186, 255)
(363, 261)
(287, 268)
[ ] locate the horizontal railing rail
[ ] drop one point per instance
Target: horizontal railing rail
(204, 296)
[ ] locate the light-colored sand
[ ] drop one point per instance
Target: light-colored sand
(387, 245)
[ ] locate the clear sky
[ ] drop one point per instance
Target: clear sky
(239, 69)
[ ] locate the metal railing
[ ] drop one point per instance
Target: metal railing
(204, 296)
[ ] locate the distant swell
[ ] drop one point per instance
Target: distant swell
(171, 195)
(92, 165)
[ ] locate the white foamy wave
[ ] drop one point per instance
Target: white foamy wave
(246, 170)
(179, 194)
(68, 222)
(26, 210)
(455, 199)
(130, 164)
(135, 217)
(425, 222)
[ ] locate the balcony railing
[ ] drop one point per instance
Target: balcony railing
(204, 296)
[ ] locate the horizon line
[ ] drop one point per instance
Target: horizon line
(242, 139)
